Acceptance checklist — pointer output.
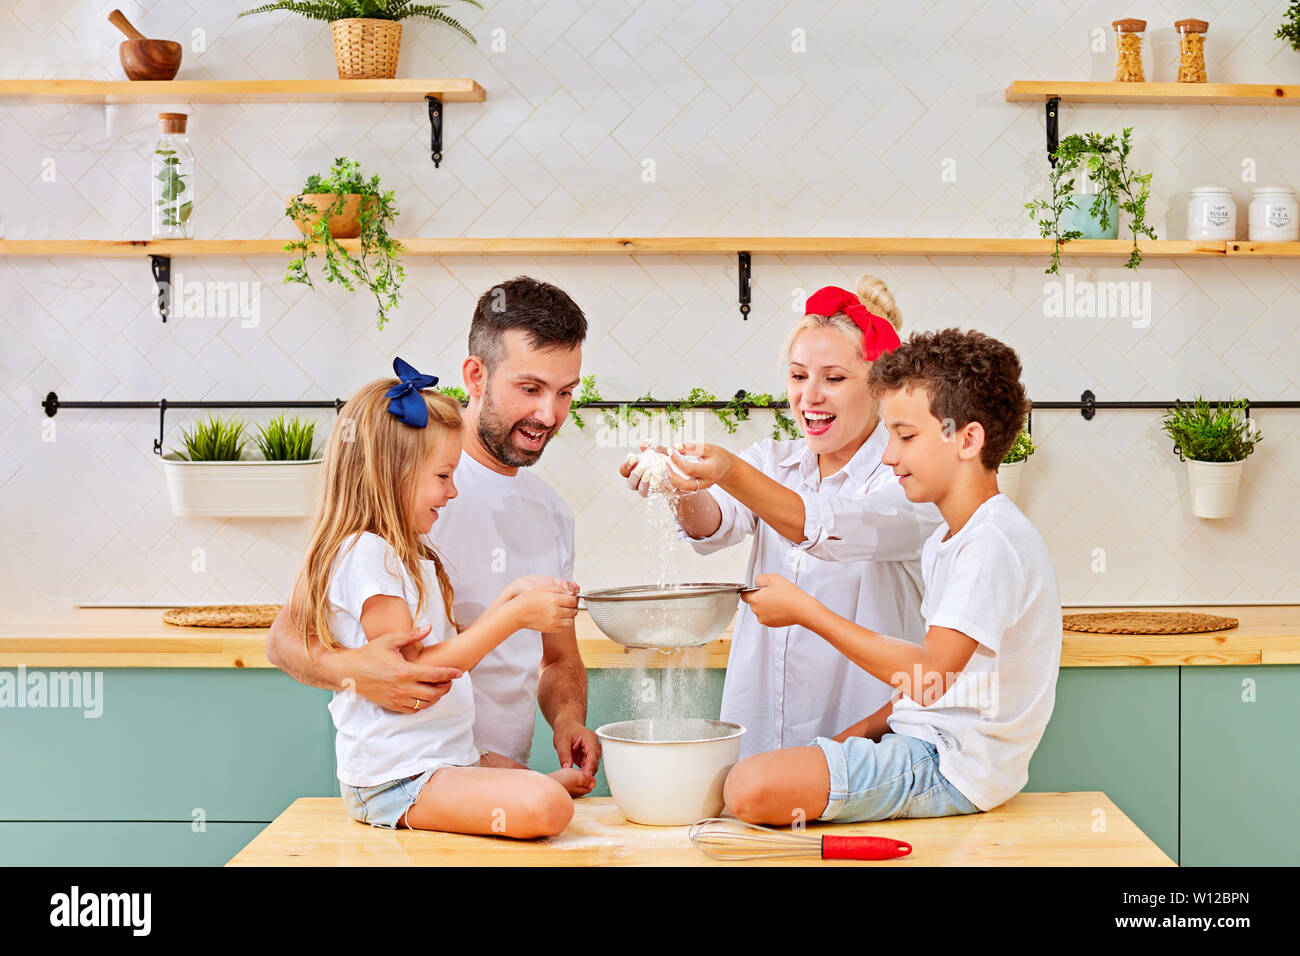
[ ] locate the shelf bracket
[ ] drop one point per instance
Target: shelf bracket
(1053, 111)
(1089, 403)
(744, 285)
(161, 266)
(435, 128)
(162, 417)
(51, 404)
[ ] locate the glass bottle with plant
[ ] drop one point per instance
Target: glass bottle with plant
(281, 440)
(172, 169)
(1104, 159)
(377, 267)
(213, 439)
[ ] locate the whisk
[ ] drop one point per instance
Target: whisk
(726, 839)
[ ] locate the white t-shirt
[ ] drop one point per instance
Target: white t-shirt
(496, 529)
(994, 581)
(372, 744)
(861, 557)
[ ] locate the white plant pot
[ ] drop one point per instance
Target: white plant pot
(1009, 479)
(1214, 487)
(252, 488)
(669, 772)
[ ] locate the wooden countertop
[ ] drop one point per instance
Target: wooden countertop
(137, 637)
(1030, 829)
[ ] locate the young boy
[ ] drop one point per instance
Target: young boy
(977, 692)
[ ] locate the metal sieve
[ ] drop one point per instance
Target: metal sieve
(664, 616)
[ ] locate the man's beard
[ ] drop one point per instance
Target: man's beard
(494, 434)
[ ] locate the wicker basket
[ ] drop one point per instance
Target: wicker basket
(366, 49)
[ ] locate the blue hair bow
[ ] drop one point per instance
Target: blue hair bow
(407, 403)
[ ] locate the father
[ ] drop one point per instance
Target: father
(525, 345)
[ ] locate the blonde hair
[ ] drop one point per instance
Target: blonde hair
(371, 462)
(872, 293)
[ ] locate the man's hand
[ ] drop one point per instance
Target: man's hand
(578, 747)
(379, 672)
(779, 602)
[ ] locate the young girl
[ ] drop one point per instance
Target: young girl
(388, 470)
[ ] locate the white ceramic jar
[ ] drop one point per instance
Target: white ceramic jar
(1274, 215)
(1211, 213)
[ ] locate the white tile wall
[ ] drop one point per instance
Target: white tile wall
(747, 137)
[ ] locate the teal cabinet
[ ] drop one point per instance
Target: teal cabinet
(1241, 766)
(60, 843)
(215, 744)
(1115, 729)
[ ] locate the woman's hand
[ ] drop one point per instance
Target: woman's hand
(779, 602)
(545, 609)
(687, 475)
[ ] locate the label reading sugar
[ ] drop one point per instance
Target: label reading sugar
(1216, 214)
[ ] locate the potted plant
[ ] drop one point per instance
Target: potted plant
(1290, 28)
(1103, 160)
(1215, 444)
(367, 33)
(343, 204)
(1013, 465)
(217, 476)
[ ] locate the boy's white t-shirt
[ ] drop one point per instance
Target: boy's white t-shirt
(994, 581)
(372, 744)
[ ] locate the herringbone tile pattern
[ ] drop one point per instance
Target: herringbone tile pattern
(757, 117)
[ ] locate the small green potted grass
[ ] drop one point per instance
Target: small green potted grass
(1013, 465)
(216, 474)
(1215, 443)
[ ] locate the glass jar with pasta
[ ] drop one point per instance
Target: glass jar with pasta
(1191, 50)
(1128, 46)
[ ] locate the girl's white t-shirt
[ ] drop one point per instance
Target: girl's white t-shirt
(374, 745)
(994, 581)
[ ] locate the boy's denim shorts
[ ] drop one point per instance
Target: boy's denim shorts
(896, 778)
(384, 804)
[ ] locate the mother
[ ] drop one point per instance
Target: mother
(826, 514)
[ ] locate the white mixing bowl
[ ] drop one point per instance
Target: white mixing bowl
(668, 772)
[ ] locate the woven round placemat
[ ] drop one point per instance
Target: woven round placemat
(223, 615)
(1147, 622)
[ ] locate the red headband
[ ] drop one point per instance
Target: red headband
(878, 336)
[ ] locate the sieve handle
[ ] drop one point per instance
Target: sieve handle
(863, 848)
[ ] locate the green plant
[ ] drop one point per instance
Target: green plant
(173, 187)
(1105, 160)
(586, 395)
(456, 392)
(377, 268)
(330, 10)
(1204, 434)
(730, 415)
(1290, 28)
(1021, 449)
(281, 440)
(214, 439)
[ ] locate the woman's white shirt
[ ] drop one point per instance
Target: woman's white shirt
(861, 558)
(372, 744)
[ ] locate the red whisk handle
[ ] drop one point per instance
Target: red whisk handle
(863, 848)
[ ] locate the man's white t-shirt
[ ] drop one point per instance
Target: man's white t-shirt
(373, 745)
(496, 529)
(994, 581)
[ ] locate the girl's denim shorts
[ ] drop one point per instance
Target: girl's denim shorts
(384, 804)
(896, 778)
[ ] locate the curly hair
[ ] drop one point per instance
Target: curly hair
(969, 376)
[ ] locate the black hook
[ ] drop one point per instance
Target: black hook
(435, 128)
(1053, 111)
(744, 285)
(162, 415)
(161, 266)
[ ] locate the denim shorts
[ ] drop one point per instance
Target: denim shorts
(384, 804)
(894, 779)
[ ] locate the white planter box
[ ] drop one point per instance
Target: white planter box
(1214, 487)
(252, 488)
(1009, 479)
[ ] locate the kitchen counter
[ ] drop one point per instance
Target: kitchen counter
(1031, 829)
(137, 637)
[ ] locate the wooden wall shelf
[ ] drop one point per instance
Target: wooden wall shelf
(665, 245)
(1216, 94)
(246, 91)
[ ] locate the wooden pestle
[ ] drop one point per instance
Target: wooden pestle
(119, 20)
